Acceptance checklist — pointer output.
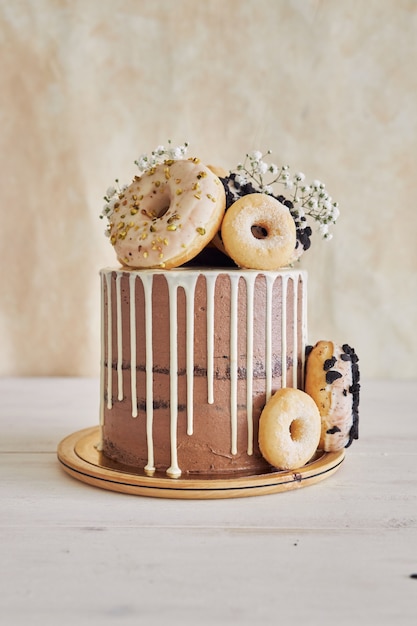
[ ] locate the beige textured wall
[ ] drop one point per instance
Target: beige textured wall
(86, 87)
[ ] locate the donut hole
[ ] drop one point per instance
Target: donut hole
(297, 429)
(161, 205)
(259, 231)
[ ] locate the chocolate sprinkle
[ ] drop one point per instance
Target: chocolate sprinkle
(331, 376)
(333, 431)
(328, 363)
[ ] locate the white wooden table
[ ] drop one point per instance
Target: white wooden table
(341, 551)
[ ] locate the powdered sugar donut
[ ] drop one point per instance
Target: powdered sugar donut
(258, 232)
(289, 429)
(332, 380)
(167, 215)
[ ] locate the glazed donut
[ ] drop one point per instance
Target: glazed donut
(332, 380)
(167, 216)
(258, 232)
(289, 429)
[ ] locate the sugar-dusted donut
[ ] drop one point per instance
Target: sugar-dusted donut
(258, 232)
(332, 380)
(168, 215)
(289, 429)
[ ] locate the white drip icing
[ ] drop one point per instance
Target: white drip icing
(250, 287)
(268, 336)
(188, 280)
(147, 283)
(132, 311)
(119, 339)
(284, 287)
(233, 359)
(295, 334)
(109, 343)
(189, 288)
(210, 290)
(173, 470)
(102, 350)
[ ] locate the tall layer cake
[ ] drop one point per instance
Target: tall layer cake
(205, 368)
(189, 359)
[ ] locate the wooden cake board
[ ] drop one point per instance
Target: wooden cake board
(81, 459)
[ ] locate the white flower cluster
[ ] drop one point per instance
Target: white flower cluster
(144, 163)
(161, 154)
(308, 200)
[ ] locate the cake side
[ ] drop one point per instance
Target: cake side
(189, 359)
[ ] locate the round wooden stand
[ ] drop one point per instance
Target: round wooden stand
(80, 458)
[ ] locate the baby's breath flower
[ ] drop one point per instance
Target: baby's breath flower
(111, 191)
(308, 201)
(256, 155)
(144, 163)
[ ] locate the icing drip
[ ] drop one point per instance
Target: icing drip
(119, 339)
(284, 288)
(132, 311)
(189, 289)
(250, 285)
(210, 288)
(268, 336)
(234, 286)
(173, 470)
(147, 282)
(295, 335)
(102, 350)
(109, 343)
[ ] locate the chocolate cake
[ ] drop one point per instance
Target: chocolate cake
(189, 359)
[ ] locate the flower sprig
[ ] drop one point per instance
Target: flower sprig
(306, 200)
(144, 163)
(161, 154)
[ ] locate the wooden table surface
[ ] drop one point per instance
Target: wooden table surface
(342, 551)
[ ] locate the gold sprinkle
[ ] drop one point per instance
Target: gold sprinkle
(171, 227)
(145, 255)
(167, 173)
(120, 225)
(133, 211)
(198, 196)
(178, 191)
(173, 218)
(210, 197)
(201, 230)
(144, 235)
(122, 234)
(134, 197)
(178, 180)
(169, 162)
(157, 183)
(161, 256)
(195, 186)
(165, 241)
(194, 159)
(202, 174)
(113, 239)
(162, 265)
(152, 228)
